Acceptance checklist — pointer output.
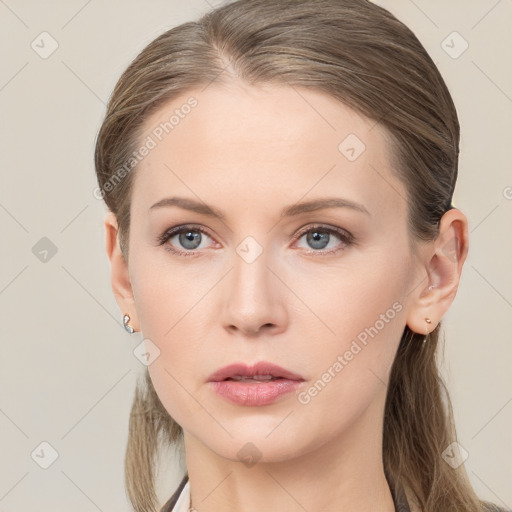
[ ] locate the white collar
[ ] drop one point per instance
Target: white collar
(183, 503)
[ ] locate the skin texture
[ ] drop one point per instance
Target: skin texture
(249, 152)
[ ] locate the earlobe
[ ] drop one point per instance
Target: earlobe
(119, 272)
(441, 272)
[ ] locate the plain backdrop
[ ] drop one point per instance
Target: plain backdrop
(67, 366)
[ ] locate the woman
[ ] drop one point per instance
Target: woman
(279, 178)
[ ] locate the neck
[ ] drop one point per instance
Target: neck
(345, 473)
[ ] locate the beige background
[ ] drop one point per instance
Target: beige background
(67, 367)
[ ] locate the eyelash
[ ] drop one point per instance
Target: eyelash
(346, 238)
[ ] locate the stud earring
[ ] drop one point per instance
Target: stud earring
(129, 328)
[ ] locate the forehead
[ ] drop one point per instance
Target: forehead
(264, 143)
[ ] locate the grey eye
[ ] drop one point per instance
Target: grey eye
(317, 238)
(190, 239)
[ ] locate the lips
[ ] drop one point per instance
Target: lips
(262, 371)
(261, 384)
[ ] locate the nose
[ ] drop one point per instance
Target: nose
(255, 298)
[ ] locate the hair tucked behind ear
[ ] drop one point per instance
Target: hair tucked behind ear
(360, 54)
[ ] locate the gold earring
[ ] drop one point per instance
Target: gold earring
(427, 332)
(129, 328)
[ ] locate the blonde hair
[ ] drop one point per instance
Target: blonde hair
(360, 54)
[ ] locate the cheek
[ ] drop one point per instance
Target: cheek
(362, 319)
(170, 311)
(341, 302)
(352, 372)
(166, 297)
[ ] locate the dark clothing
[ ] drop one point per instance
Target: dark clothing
(399, 498)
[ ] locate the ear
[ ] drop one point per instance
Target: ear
(442, 262)
(119, 275)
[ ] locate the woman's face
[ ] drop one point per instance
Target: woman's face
(257, 285)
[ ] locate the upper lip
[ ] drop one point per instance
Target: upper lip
(260, 368)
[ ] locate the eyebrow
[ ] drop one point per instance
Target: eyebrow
(289, 211)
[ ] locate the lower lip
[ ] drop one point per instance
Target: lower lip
(254, 393)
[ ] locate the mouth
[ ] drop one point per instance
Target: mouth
(256, 379)
(261, 384)
(260, 372)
